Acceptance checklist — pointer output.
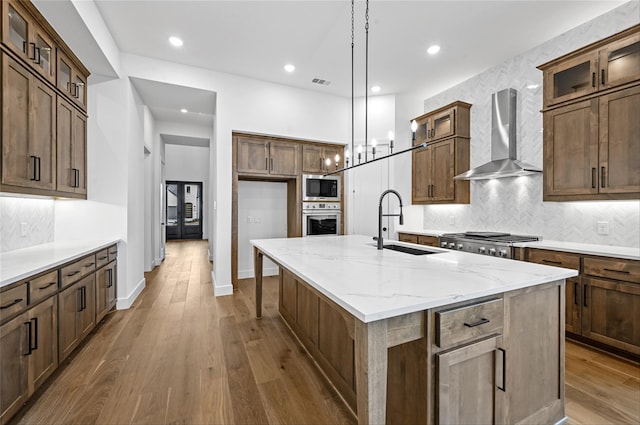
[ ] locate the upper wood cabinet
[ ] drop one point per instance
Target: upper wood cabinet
(71, 153)
(450, 120)
(24, 35)
(606, 64)
(265, 157)
(314, 158)
(72, 81)
(446, 130)
(591, 127)
(28, 132)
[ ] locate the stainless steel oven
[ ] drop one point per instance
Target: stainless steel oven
(321, 219)
(320, 188)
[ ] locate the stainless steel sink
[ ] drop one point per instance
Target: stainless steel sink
(409, 250)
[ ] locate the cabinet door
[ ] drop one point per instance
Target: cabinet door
(571, 150)
(112, 286)
(312, 161)
(468, 381)
(16, 28)
(620, 142)
(620, 62)
(44, 135)
(407, 237)
(102, 282)
(14, 351)
(253, 156)
(44, 358)
(421, 175)
(571, 79)
(573, 305)
(307, 313)
(87, 313)
(43, 53)
(71, 152)
(283, 159)
(610, 313)
(287, 296)
(79, 151)
(442, 124)
(443, 171)
(336, 343)
(69, 304)
(331, 154)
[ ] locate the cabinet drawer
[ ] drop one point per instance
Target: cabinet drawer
(554, 258)
(428, 240)
(13, 301)
(113, 252)
(626, 270)
(406, 237)
(102, 258)
(73, 272)
(467, 323)
(43, 286)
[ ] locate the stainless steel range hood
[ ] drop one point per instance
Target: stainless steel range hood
(503, 142)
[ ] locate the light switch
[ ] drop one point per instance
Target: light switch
(23, 229)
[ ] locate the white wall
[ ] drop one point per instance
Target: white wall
(190, 164)
(515, 204)
(262, 214)
(245, 105)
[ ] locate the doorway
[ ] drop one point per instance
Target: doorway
(184, 210)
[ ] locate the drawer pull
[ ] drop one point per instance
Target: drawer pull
(73, 274)
(617, 271)
(103, 258)
(11, 304)
(47, 285)
(478, 323)
(504, 370)
(552, 262)
(89, 264)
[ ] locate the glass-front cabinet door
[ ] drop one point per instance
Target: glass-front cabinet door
(43, 57)
(15, 33)
(620, 62)
(572, 79)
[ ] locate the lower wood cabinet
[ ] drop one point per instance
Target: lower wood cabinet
(419, 239)
(105, 290)
(76, 307)
(28, 355)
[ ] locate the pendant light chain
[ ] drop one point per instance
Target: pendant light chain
(366, 81)
(352, 80)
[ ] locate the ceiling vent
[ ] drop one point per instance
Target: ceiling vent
(321, 81)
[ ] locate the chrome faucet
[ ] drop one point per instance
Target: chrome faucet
(380, 215)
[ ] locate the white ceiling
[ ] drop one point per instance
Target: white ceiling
(257, 38)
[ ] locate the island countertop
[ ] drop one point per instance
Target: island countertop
(373, 285)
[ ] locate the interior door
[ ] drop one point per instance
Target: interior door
(184, 210)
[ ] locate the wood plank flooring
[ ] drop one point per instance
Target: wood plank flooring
(182, 356)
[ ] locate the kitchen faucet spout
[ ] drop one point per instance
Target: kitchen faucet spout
(380, 215)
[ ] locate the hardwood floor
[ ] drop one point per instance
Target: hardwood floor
(182, 356)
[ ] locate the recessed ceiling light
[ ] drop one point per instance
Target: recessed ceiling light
(533, 86)
(375, 89)
(175, 41)
(184, 111)
(289, 68)
(433, 49)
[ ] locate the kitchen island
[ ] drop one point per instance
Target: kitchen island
(446, 337)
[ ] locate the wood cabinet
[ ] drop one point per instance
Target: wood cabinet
(591, 131)
(44, 353)
(25, 36)
(72, 144)
(601, 303)
(447, 155)
(314, 158)
(43, 143)
(76, 306)
(259, 156)
(418, 239)
(14, 345)
(105, 290)
(29, 135)
(433, 169)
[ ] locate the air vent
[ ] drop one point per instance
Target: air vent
(321, 81)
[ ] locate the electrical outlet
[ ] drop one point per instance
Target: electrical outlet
(603, 227)
(257, 220)
(249, 219)
(23, 229)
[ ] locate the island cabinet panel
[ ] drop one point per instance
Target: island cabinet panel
(335, 342)
(287, 295)
(534, 355)
(407, 237)
(468, 383)
(307, 313)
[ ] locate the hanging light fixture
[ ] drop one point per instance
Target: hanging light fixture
(360, 148)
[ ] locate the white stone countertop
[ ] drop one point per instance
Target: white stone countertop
(584, 248)
(374, 285)
(22, 263)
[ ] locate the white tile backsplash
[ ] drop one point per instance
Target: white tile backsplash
(36, 214)
(515, 204)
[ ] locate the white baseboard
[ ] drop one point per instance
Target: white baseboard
(267, 271)
(127, 302)
(210, 255)
(221, 290)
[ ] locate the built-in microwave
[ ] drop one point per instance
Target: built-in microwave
(320, 188)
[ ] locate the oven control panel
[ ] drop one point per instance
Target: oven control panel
(321, 206)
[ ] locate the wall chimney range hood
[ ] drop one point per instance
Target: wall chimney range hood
(503, 143)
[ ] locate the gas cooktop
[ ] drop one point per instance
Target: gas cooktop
(492, 237)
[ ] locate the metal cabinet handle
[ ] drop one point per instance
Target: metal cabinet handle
(552, 262)
(35, 326)
(47, 285)
(503, 388)
(593, 177)
(602, 77)
(103, 258)
(11, 304)
(73, 274)
(89, 264)
(29, 336)
(271, 167)
(593, 79)
(584, 295)
(617, 271)
(575, 293)
(39, 168)
(478, 323)
(35, 168)
(80, 295)
(34, 51)
(602, 174)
